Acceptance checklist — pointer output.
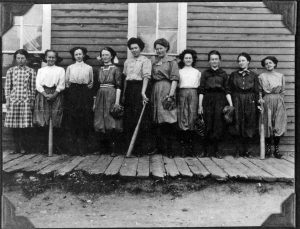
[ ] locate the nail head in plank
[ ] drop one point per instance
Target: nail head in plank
(157, 168)
(197, 167)
(114, 166)
(143, 168)
(87, 162)
(101, 164)
(129, 166)
(17, 161)
(70, 166)
(183, 168)
(215, 171)
(29, 162)
(170, 166)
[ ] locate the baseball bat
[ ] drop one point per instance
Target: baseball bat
(50, 137)
(135, 133)
(262, 134)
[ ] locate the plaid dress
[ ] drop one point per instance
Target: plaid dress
(19, 91)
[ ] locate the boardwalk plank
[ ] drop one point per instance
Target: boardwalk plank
(143, 168)
(26, 163)
(129, 167)
(256, 169)
(215, 171)
(157, 168)
(17, 161)
(11, 157)
(289, 159)
(270, 169)
(251, 174)
(5, 153)
(54, 165)
(87, 162)
(229, 169)
(114, 166)
(278, 164)
(285, 162)
(170, 166)
(197, 167)
(183, 168)
(70, 166)
(101, 164)
(42, 164)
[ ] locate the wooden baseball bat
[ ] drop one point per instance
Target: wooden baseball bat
(135, 133)
(50, 137)
(262, 134)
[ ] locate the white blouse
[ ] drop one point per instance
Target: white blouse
(50, 76)
(189, 77)
(79, 73)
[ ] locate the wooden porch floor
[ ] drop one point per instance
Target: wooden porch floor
(157, 166)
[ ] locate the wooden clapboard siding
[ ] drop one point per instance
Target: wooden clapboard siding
(91, 25)
(234, 27)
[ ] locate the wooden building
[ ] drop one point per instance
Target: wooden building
(259, 28)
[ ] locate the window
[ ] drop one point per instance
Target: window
(151, 21)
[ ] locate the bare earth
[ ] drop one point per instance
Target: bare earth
(221, 204)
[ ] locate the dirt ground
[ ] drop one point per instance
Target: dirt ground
(208, 204)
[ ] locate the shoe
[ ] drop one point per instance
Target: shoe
(268, 150)
(216, 155)
(276, 152)
(247, 154)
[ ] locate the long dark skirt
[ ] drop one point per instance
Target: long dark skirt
(245, 122)
(43, 109)
(78, 107)
(213, 105)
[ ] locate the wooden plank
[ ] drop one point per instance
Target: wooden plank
(279, 164)
(270, 169)
(100, 21)
(196, 167)
(229, 4)
(11, 157)
(90, 41)
(227, 10)
(215, 171)
(235, 24)
(91, 34)
(26, 163)
(183, 168)
(5, 153)
(90, 6)
(114, 166)
(157, 168)
(87, 162)
(42, 164)
(105, 28)
(170, 166)
(89, 13)
(143, 169)
(234, 17)
(17, 161)
(251, 174)
(55, 165)
(231, 30)
(229, 168)
(70, 166)
(61, 47)
(101, 164)
(285, 162)
(257, 170)
(129, 166)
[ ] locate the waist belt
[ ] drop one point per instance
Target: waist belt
(106, 85)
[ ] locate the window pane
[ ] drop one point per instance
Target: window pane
(32, 38)
(168, 15)
(34, 16)
(171, 36)
(11, 39)
(148, 36)
(146, 14)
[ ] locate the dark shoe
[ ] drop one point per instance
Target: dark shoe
(203, 154)
(276, 152)
(247, 154)
(268, 150)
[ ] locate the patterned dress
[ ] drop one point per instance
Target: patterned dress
(164, 71)
(19, 91)
(272, 86)
(110, 79)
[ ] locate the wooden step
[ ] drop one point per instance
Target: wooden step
(87, 162)
(215, 171)
(17, 161)
(42, 164)
(278, 164)
(11, 157)
(197, 168)
(183, 168)
(100, 165)
(114, 166)
(170, 166)
(54, 165)
(129, 167)
(229, 168)
(143, 169)
(25, 163)
(157, 168)
(70, 166)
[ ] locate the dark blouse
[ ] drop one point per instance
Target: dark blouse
(110, 74)
(214, 81)
(243, 82)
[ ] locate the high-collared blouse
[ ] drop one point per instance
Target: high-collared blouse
(50, 76)
(214, 81)
(189, 77)
(110, 74)
(137, 68)
(20, 83)
(243, 81)
(272, 83)
(79, 73)
(165, 68)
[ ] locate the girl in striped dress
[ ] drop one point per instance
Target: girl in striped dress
(19, 93)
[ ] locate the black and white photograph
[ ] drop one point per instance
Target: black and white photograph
(149, 113)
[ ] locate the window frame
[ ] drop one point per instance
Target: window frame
(46, 32)
(181, 32)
